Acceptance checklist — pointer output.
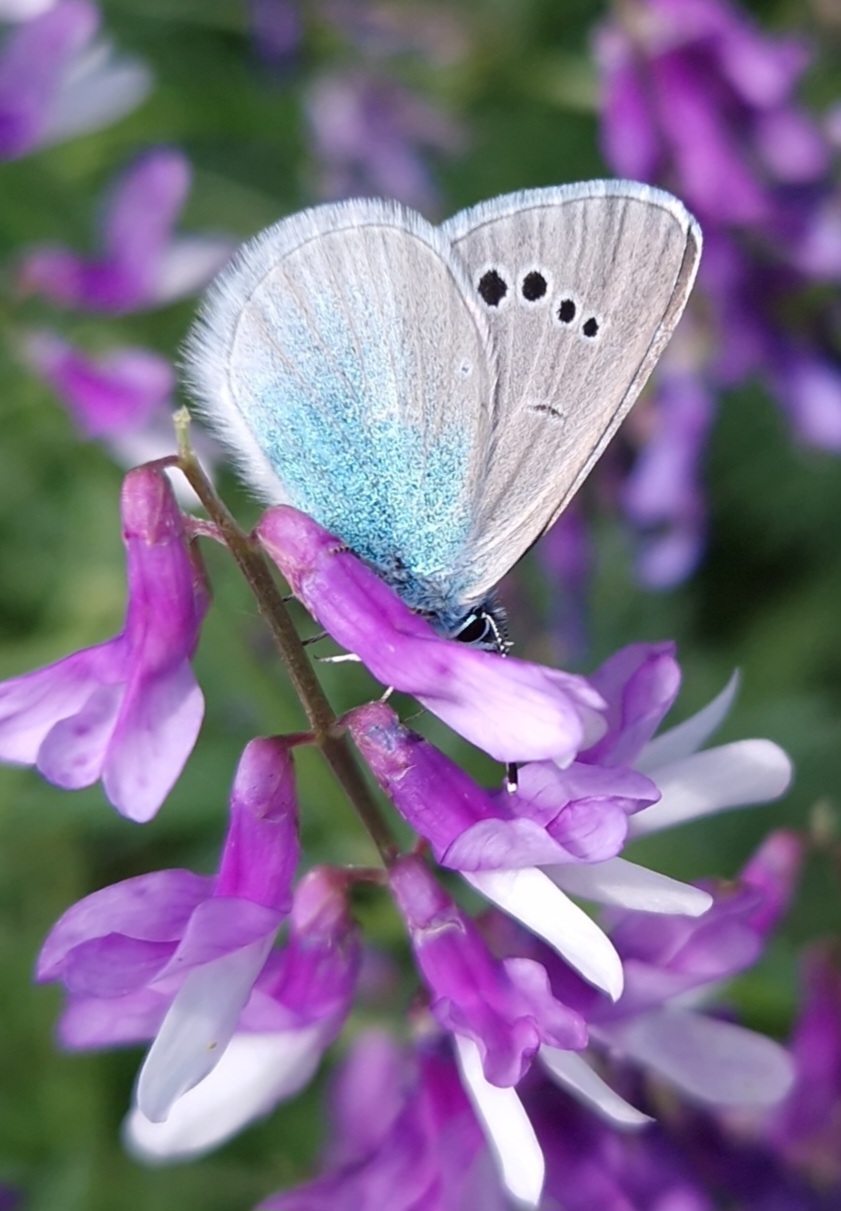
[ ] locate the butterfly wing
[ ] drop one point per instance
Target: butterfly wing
(582, 286)
(344, 359)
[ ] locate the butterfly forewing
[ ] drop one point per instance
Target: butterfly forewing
(346, 361)
(582, 286)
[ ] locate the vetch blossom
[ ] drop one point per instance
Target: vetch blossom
(123, 400)
(499, 842)
(663, 496)
(142, 263)
(639, 685)
(422, 1150)
(499, 1013)
(514, 710)
(107, 397)
(127, 711)
(296, 1008)
(57, 83)
(669, 963)
(174, 956)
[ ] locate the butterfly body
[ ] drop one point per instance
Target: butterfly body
(434, 396)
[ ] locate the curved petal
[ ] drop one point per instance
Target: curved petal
(32, 704)
(573, 1073)
(689, 736)
(733, 775)
(532, 898)
(710, 1060)
(198, 1028)
(507, 1128)
(153, 908)
(623, 884)
(75, 749)
(256, 1072)
(154, 735)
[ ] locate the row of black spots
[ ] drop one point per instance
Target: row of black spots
(568, 310)
(494, 290)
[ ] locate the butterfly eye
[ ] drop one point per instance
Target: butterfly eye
(492, 287)
(567, 311)
(534, 286)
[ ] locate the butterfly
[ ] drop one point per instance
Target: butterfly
(436, 395)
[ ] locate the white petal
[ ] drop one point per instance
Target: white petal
(532, 898)
(624, 884)
(24, 10)
(256, 1072)
(507, 1127)
(709, 1060)
(188, 264)
(687, 737)
(198, 1027)
(733, 775)
(102, 91)
(573, 1072)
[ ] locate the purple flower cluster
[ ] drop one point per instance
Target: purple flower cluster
(697, 98)
(59, 81)
(241, 980)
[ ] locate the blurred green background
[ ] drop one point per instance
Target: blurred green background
(521, 85)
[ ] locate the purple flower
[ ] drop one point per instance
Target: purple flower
(56, 83)
(127, 711)
(567, 559)
(695, 95)
(513, 710)
(108, 398)
(369, 134)
(499, 1013)
(422, 1150)
(663, 497)
(806, 1127)
(668, 962)
(142, 264)
(296, 1008)
(499, 842)
(174, 956)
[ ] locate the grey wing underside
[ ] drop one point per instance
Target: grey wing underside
(344, 359)
(616, 257)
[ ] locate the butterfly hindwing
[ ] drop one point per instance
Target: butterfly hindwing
(582, 286)
(344, 359)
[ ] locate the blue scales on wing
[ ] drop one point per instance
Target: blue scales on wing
(345, 360)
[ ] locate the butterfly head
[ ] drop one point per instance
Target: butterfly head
(484, 627)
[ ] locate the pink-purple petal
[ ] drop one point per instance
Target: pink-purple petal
(158, 725)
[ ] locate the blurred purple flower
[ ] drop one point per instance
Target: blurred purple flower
(513, 710)
(277, 27)
(370, 135)
(109, 398)
(499, 1013)
(696, 97)
(663, 497)
(298, 1005)
(142, 263)
(422, 1150)
(668, 962)
(127, 711)
(56, 83)
(806, 1128)
(566, 556)
(174, 956)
